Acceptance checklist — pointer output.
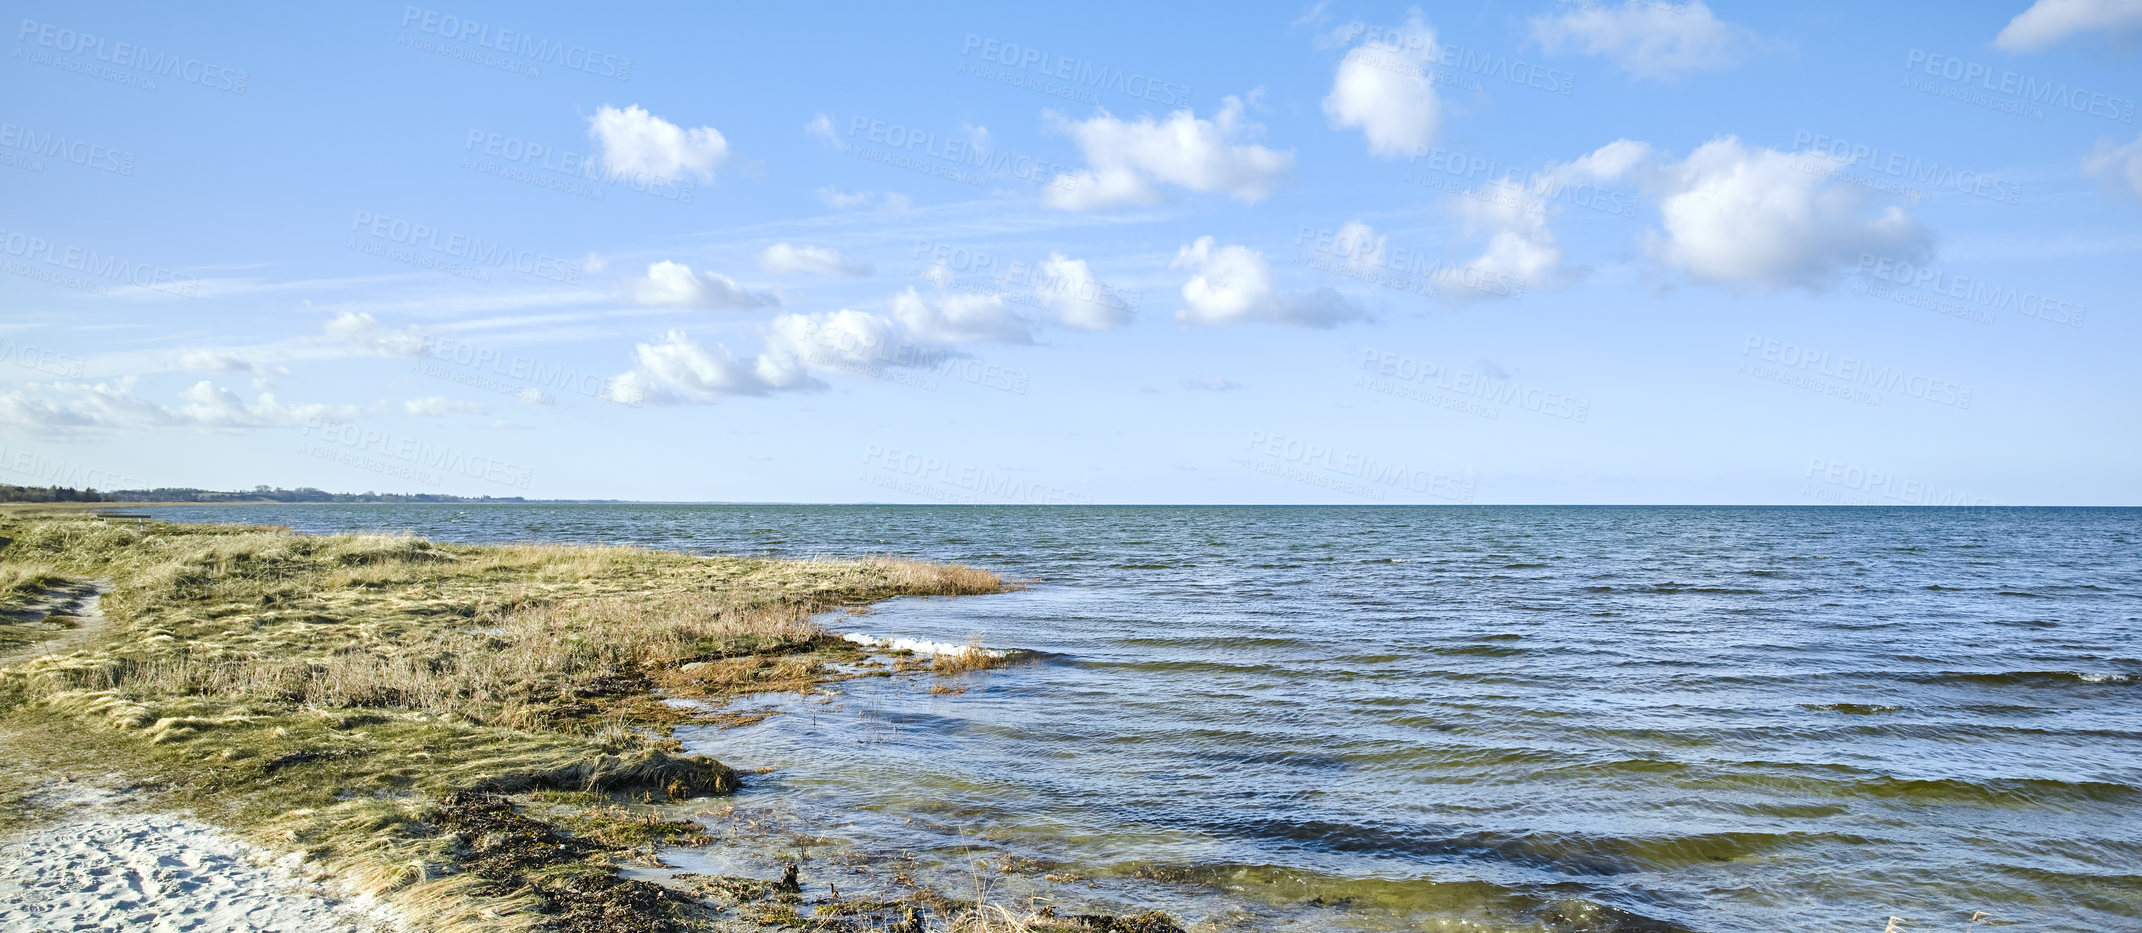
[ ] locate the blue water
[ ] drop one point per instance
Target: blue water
(1733, 719)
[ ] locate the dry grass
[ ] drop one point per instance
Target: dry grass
(20, 583)
(327, 692)
(975, 658)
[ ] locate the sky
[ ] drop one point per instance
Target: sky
(1534, 251)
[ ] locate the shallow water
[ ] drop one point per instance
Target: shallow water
(1731, 719)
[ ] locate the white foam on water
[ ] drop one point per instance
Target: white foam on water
(920, 646)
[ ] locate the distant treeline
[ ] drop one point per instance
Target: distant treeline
(256, 494)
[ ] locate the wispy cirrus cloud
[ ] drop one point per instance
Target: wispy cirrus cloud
(1649, 39)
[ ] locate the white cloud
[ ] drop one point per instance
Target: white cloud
(892, 203)
(1069, 287)
(953, 318)
(845, 340)
(2047, 22)
(637, 143)
(822, 127)
(1126, 160)
(679, 370)
(439, 406)
(1382, 89)
(781, 258)
(366, 333)
(1647, 38)
(534, 396)
(1314, 16)
(594, 263)
(675, 284)
(1732, 214)
(1363, 248)
(214, 361)
(1233, 284)
(1211, 384)
(841, 200)
(1521, 246)
(2116, 163)
(71, 407)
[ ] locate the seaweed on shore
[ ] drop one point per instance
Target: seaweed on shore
(578, 889)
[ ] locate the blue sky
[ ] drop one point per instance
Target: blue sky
(1523, 252)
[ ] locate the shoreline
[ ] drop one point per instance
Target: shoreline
(471, 735)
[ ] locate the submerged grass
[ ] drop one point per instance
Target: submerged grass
(369, 699)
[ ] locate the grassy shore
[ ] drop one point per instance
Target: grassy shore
(471, 733)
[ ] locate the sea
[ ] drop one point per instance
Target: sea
(1446, 718)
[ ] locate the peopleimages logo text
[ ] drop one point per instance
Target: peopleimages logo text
(134, 57)
(2021, 87)
(1077, 72)
(515, 43)
(471, 251)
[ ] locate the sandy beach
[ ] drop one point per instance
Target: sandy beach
(108, 865)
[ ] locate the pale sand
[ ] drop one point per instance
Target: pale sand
(106, 867)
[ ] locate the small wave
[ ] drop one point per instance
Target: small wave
(920, 646)
(2024, 678)
(1855, 709)
(1480, 651)
(2007, 791)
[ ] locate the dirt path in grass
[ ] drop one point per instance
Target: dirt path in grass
(70, 612)
(103, 866)
(93, 859)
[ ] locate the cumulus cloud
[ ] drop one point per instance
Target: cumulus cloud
(679, 370)
(2047, 22)
(637, 143)
(1514, 215)
(955, 318)
(918, 333)
(1383, 90)
(1068, 287)
(437, 406)
(781, 258)
(73, 407)
(1233, 284)
(674, 284)
(821, 126)
(1759, 216)
(366, 333)
(1127, 160)
(1647, 38)
(846, 340)
(2112, 162)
